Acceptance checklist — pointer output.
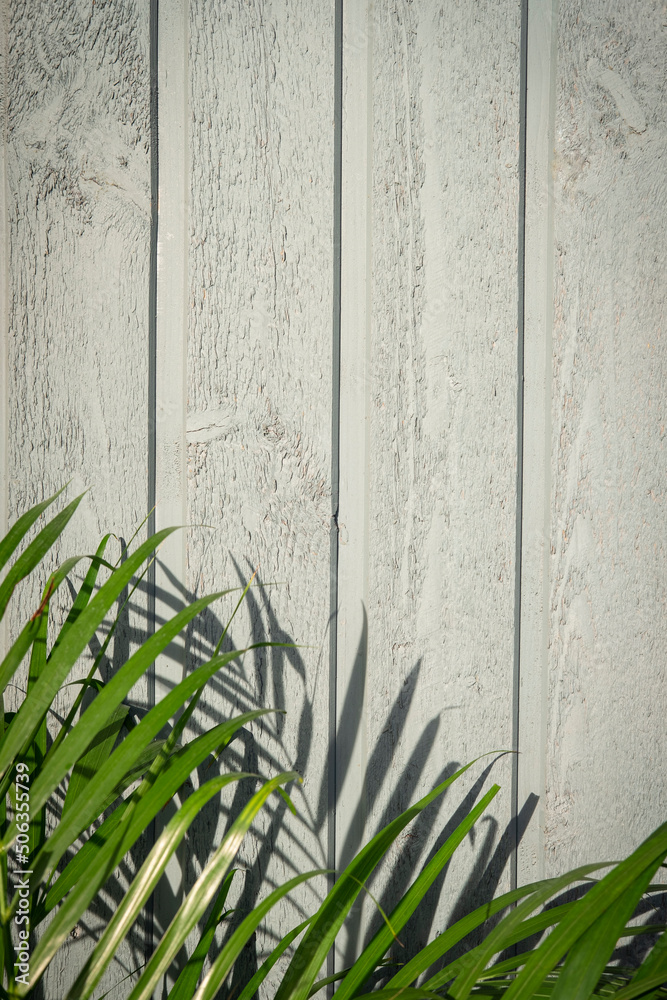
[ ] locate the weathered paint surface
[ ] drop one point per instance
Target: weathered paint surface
(537, 292)
(171, 309)
(439, 483)
(77, 248)
(259, 391)
(428, 430)
(594, 665)
(78, 206)
(607, 695)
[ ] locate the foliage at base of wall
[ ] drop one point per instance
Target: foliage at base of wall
(103, 777)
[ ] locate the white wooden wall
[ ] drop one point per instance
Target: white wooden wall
(405, 355)
(75, 275)
(593, 681)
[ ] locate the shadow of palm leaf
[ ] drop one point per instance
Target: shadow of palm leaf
(281, 844)
(265, 683)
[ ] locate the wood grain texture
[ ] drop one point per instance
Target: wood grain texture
(259, 400)
(351, 660)
(78, 191)
(170, 380)
(607, 694)
(442, 437)
(428, 430)
(542, 33)
(354, 431)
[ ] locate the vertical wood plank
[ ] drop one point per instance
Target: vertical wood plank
(356, 240)
(538, 319)
(78, 215)
(78, 222)
(438, 490)
(171, 333)
(607, 697)
(170, 379)
(259, 390)
(354, 448)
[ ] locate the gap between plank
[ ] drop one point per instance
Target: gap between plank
(149, 943)
(521, 269)
(542, 29)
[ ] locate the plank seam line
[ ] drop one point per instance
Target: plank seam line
(149, 942)
(335, 446)
(521, 291)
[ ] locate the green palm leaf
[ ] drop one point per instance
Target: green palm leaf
(36, 551)
(371, 955)
(312, 951)
(622, 883)
(68, 652)
(203, 891)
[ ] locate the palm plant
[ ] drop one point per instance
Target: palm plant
(104, 756)
(107, 761)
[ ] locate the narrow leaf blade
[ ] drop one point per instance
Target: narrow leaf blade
(19, 530)
(35, 552)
